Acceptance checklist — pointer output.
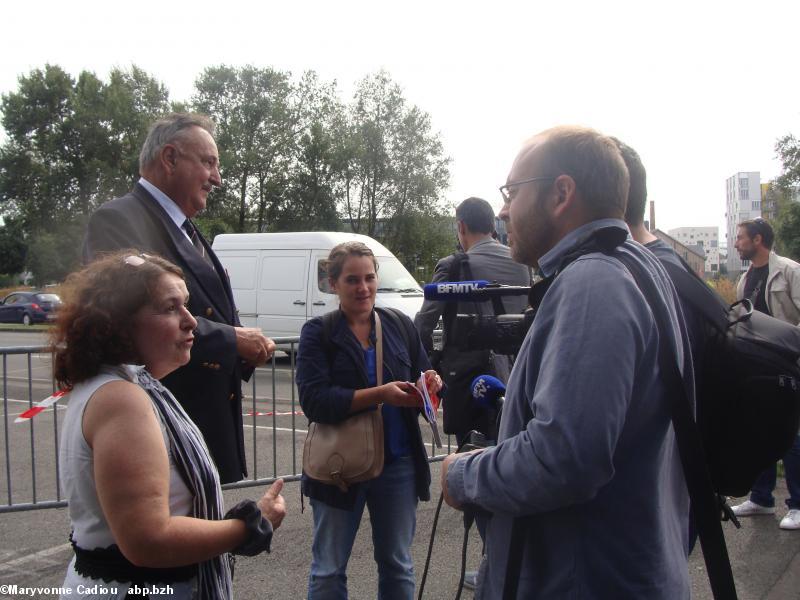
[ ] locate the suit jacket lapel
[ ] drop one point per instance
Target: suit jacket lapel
(221, 277)
(214, 282)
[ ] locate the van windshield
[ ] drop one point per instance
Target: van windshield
(393, 276)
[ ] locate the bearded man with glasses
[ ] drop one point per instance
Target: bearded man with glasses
(585, 486)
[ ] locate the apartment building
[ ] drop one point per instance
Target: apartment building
(742, 202)
(704, 241)
(693, 254)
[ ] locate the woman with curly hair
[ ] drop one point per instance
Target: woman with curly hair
(144, 496)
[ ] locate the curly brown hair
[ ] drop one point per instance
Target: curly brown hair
(94, 324)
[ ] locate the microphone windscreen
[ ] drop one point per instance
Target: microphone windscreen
(486, 390)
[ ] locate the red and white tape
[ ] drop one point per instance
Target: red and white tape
(40, 406)
(270, 413)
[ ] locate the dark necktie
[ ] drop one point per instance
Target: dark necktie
(190, 230)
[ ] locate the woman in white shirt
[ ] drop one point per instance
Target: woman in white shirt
(144, 496)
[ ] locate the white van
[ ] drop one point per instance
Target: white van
(279, 283)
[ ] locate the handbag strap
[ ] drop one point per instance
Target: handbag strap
(378, 349)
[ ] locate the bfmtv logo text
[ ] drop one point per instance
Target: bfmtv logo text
(460, 287)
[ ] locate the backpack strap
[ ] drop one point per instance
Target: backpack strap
(329, 320)
(690, 448)
(602, 240)
(698, 294)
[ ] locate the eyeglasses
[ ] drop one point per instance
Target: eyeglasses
(134, 260)
(505, 189)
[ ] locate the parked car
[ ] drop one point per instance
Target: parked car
(29, 307)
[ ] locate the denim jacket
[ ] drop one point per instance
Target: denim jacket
(326, 391)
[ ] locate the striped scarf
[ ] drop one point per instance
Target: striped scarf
(191, 456)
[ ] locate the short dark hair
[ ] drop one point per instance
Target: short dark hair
(94, 325)
(759, 226)
(595, 164)
(341, 252)
(637, 192)
(477, 214)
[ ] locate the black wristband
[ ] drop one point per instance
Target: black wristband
(259, 529)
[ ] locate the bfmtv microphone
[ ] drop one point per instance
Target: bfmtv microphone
(488, 392)
(454, 291)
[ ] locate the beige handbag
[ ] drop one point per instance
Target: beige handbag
(350, 451)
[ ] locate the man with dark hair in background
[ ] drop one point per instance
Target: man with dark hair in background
(634, 217)
(179, 167)
(586, 472)
(772, 284)
(483, 258)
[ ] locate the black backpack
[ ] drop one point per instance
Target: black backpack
(748, 385)
(747, 404)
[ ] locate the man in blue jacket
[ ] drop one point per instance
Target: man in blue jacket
(586, 451)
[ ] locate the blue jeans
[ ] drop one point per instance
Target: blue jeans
(765, 484)
(392, 503)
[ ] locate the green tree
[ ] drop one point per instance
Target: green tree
(133, 100)
(264, 122)
(421, 240)
(35, 182)
(391, 164)
(787, 222)
(12, 247)
(72, 144)
(52, 255)
(787, 228)
(788, 150)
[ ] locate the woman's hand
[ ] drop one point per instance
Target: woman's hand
(433, 381)
(434, 385)
(400, 393)
(272, 504)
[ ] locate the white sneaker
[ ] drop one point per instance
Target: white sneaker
(791, 520)
(470, 580)
(749, 508)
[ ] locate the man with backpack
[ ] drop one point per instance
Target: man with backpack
(585, 486)
(772, 284)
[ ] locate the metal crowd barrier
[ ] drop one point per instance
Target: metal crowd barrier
(31, 459)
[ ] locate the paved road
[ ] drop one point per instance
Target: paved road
(34, 549)
(34, 552)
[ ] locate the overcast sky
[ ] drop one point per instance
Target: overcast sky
(700, 89)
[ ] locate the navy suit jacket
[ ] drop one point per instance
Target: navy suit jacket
(209, 386)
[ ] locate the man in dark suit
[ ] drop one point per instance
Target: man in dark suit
(179, 166)
(486, 259)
